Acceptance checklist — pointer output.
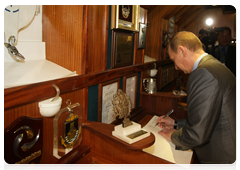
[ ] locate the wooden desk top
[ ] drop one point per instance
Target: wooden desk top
(106, 131)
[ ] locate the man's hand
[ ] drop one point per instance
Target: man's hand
(166, 133)
(166, 122)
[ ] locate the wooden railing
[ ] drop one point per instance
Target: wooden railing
(25, 94)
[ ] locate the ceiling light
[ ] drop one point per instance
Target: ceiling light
(209, 21)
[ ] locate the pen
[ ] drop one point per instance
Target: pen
(170, 112)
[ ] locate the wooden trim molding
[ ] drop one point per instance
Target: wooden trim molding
(25, 94)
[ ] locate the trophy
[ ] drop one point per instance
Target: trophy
(128, 131)
(179, 91)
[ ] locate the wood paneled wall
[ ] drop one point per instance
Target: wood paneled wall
(62, 32)
(76, 38)
(157, 24)
(160, 103)
(96, 37)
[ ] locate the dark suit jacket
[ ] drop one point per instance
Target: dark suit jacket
(210, 128)
(230, 57)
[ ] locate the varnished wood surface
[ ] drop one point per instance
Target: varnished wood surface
(62, 32)
(97, 38)
(164, 94)
(75, 155)
(99, 161)
(111, 151)
(44, 90)
(187, 14)
(172, 11)
(192, 18)
(106, 131)
(161, 104)
(155, 30)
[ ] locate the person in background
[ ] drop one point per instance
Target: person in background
(225, 52)
(210, 126)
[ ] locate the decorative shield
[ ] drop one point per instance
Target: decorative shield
(23, 141)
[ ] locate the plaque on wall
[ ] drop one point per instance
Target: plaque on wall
(23, 141)
(105, 97)
(122, 49)
(125, 17)
(130, 88)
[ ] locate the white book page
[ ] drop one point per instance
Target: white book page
(151, 125)
(163, 148)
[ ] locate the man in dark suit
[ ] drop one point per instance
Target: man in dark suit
(210, 127)
(225, 52)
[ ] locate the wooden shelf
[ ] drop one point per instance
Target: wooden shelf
(163, 94)
(105, 130)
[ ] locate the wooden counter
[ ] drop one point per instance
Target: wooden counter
(106, 147)
(105, 130)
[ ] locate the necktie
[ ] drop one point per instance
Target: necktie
(223, 55)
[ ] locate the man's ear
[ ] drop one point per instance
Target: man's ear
(181, 50)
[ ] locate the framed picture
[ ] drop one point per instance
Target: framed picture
(105, 96)
(130, 87)
(170, 74)
(122, 48)
(125, 17)
(164, 77)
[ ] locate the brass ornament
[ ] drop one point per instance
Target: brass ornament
(30, 158)
(122, 107)
(125, 11)
(28, 130)
(26, 146)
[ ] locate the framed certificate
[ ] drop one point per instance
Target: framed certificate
(105, 97)
(130, 87)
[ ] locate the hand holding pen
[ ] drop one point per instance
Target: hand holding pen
(167, 122)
